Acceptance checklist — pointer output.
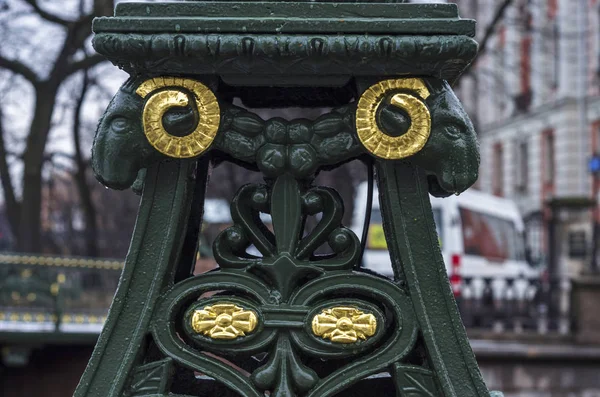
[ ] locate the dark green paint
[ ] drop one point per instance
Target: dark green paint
(311, 54)
(276, 25)
(152, 378)
(302, 60)
(298, 147)
(281, 9)
(410, 231)
(154, 252)
(293, 17)
(288, 43)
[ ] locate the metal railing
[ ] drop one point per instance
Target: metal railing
(45, 293)
(515, 305)
(55, 294)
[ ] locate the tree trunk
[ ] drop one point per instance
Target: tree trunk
(29, 236)
(85, 194)
(89, 211)
(11, 203)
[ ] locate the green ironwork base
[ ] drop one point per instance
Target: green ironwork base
(291, 320)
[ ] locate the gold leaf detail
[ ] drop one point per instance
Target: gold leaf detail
(224, 321)
(377, 142)
(344, 325)
(165, 93)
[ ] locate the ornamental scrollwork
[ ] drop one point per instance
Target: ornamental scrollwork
(267, 300)
(282, 288)
(289, 311)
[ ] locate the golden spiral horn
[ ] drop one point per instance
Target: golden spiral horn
(410, 98)
(164, 93)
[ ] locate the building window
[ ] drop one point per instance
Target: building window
(525, 17)
(598, 38)
(498, 167)
(523, 99)
(500, 82)
(522, 166)
(549, 156)
(596, 138)
(490, 236)
(555, 43)
(552, 8)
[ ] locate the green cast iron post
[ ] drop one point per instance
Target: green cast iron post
(290, 321)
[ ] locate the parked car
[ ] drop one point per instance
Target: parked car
(481, 236)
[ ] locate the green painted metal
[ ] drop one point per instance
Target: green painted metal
(278, 54)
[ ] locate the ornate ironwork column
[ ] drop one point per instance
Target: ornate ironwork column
(288, 322)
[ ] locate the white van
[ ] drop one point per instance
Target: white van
(481, 236)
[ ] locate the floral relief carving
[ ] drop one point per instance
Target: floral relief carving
(344, 325)
(224, 321)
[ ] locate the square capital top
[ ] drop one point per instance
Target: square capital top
(279, 42)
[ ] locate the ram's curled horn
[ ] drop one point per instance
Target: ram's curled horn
(164, 93)
(407, 94)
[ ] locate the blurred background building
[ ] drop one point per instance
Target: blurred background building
(534, 96)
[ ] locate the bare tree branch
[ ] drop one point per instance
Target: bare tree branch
(85, 64)
(77, 33)
(28, 234)
(19, 68)
(46, 15)
(489, 33)
(12, 205)
(85, 194)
